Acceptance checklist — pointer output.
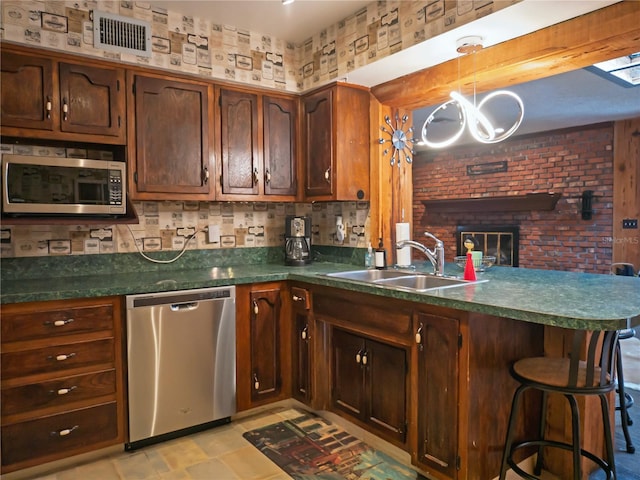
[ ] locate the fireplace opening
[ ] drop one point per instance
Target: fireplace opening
(499, 241)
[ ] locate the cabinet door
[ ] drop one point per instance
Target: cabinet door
(318, 147)
(91, 100)
(280, 174)
(27, 94)
(172, 140)
(348, 370)
(241, 171)
(265, 344)
(387, 383)
(301, 357)
(437, 393)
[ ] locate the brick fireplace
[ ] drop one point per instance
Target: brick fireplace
(560, 164)
(501, 242)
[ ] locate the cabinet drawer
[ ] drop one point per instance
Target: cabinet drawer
(21, 326)
(57, 393)
(57, 434)
(57, 358)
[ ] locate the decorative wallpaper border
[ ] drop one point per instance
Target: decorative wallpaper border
(197, 46)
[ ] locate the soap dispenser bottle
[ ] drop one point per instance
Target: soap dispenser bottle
(381, 256)
(368, 257)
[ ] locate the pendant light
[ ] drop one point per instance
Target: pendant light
(470, 116)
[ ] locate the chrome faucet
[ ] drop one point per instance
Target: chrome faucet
(435, 256)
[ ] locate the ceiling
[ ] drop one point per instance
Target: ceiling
(294, 22)
(576, 98)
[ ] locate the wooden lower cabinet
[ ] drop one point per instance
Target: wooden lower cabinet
(62, 379)
(302, 338)
(369, 356)
(262, 357)
(437, 345)
(370, 381)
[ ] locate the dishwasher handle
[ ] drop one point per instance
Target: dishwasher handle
(176, 307)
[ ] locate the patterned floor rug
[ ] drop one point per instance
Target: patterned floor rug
(308, 446)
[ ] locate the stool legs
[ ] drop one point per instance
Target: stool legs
(625, 419)
(575, 447)
(608, 441)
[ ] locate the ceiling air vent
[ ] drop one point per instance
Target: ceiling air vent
(121, 34)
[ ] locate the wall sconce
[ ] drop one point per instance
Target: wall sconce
(587, 204)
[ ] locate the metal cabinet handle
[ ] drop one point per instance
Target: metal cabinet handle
(205, 175)
(255, 176)
(327, 175)
(305, 332)
(65, 109)
(62, 357)
(48, 107)
(64, 432)
(267, 176)
(256, 310)
(359, 356)
(365, 357)
(419, 334)
(256, 382)
(58, 323)
(63, 391)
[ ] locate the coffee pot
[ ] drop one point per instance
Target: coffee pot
(297, 240)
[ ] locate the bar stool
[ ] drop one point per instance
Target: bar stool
(570, 377)
(624, 399)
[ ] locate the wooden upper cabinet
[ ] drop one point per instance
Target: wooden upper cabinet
(92, 100)
(60, 100)
(258, 146)
(171, 157)
(336, 143)
(240, 158)
(27, 92)
(280, 146)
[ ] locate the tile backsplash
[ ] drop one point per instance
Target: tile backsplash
(168, 226)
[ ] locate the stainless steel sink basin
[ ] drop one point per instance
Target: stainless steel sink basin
(416, 282)
(422, 282)
(370, 275)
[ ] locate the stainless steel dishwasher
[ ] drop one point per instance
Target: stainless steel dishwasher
(181, 349)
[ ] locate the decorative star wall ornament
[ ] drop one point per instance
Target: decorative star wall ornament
(402, 142)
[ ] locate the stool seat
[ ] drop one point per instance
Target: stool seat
(570, 377)
(554, 372)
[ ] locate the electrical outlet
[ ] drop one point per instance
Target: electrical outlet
(630, 223)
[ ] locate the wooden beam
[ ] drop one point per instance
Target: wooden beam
(601, 35)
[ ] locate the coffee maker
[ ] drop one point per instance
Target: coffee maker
(297, 240)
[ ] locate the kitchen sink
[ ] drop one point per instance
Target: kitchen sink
(422, 282)
(416, 282)
(370, 275)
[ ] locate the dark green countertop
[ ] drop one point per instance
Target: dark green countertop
(566, 299)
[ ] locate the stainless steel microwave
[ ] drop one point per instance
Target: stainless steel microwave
(62, 186)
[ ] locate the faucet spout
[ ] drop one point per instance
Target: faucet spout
(435, 256)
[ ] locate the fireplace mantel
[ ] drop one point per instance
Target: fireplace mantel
(508, 203)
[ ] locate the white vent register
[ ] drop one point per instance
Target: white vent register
(121, 34)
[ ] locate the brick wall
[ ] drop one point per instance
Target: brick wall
(567, 162)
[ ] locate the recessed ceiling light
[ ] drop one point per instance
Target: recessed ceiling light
(287, 2)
